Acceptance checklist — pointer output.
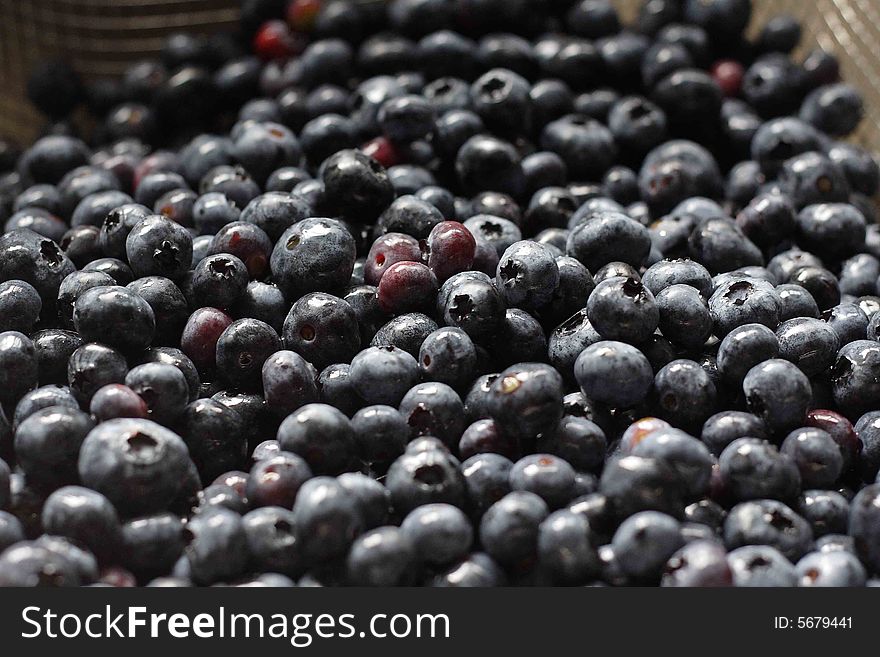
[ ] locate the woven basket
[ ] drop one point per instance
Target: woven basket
(101, 37)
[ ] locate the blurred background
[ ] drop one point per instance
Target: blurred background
(100, 39)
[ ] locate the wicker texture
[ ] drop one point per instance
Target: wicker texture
(101, 37)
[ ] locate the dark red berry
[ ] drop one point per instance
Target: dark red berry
(406, 287)
(839, 428)
(274, 40)
(728, 74)
(387, 250)
(383, 151)
(301, 14)
(117, 400)
(200, 335)
(450, 249)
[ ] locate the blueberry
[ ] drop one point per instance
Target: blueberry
(314, 254)
(479, 569)
(821, 284)
(18, 366)
(752, 468)
(31, 564)
(334, 388)
(214, 436)
(137, 464)
(276, 481)
(211, 211)
(157, 246)
(263, 301)
(440, 533)
(645, 541)
(326, 520)
(218, 548)
(242, 349)
(835, 109)
(322, 328)
(116, 316)
(40, 398)
(371, 496)
(163, 388)
(608, 362)
(383, 375)
(47, 441)
(723, 428)
(686, 455)
(698, 563)
(20, 306)
(384, 556)
(288, 382)
(837, 568)
(808, 343)
(91, 367)
(827, 511)
(796, 302)
(634, 483)
(509, 529)
(761, 566)
(423, 477)
(767, 522)
(175, 357)
(11, 531)
(380, 434)
(566, 548)
(608, 237)
(853, 375)
(864, 524)
(836, 229)
(550, 477)
(767, 384)
(684, 315)
(116, 269)
(84, 516)
(578, 441)
(433, 409)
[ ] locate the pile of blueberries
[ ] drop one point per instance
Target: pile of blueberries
(445, 292)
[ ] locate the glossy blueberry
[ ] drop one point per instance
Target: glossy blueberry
(761, 566)
(723, 428)
(423, 477)
(686, 455)
(276, 481)
(322, 328)
(827, 511)
(752, 468)
(796, 302)
(213, 210)
(326, 520)
(157, 246)
(384, 556)
(548, 476)
(854, 375)
(684, 315)
(40, 398)
(92, 366)
(608, 237)
(47, 442)
(321, 434)
(271, 540)
(525, 399)
(440, 533)
(770, 523)
(20, 306)
(163, 388)
(137, 464)
(509, 529)
(217, 548)
(622, 365)
(288, 382)
(636, 483)
(314, 254)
